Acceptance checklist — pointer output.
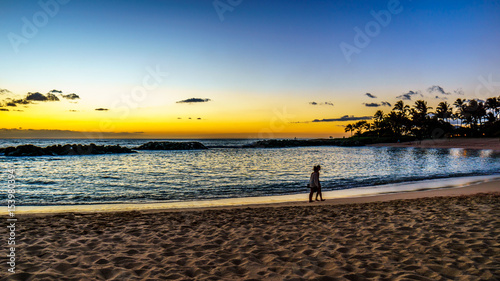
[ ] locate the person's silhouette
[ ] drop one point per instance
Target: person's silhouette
(315, 185)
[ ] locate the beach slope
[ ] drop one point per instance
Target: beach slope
(431, 238)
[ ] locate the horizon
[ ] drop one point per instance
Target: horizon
(235, 70)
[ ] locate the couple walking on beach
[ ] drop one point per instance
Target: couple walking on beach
(315, 185)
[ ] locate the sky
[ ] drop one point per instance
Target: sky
(235, 68)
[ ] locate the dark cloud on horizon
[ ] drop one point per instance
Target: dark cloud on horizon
(101, 109)
(374, 104)
(41, 97)
(30, 98)
(409, 95)
(194, 100)
(322, 103)
(4, 109)
(344, 118)
(370, 96)
(71, 96)
(20, 101)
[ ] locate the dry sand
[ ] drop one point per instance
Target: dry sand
(432, 238)
(484, 143)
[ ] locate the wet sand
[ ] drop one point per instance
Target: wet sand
(477, 143)
(408, 236)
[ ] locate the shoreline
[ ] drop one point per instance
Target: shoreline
(406, 190)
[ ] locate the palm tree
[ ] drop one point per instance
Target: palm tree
(401, 108)
(493, 105)
(399, 118)
(378, 120)
(419, 118)
(419, 111)
(359, 126)
(460, 106)
(443, 111)
(378, 116)
(349, 128)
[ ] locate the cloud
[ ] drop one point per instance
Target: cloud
(374, 104)
(322, 103)
(31, 97)
(194, 100)
(101, 109)
(40, 97)
(437, 89)
(370, 96)
(344, 118)
(459, 91)
(4, 91)
(20, 101)
(408, 95)
(4, 109)
(71, 96)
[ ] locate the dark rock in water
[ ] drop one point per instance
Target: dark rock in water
(167, 145)
(68, 149)
(295, 143)
(24, 150)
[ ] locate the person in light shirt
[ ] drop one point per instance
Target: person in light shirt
(315, 185)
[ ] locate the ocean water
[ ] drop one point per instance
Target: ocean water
(225, 171)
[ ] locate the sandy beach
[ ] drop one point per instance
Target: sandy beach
(473, 143)
(436, 235)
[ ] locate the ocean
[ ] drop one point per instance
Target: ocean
(224, 171)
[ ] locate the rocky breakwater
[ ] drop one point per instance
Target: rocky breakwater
(68, 149)
(295, 143)
(166, 145)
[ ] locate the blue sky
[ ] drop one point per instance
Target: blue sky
(263, 50)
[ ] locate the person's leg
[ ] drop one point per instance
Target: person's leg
(320, 195)
(311, 195)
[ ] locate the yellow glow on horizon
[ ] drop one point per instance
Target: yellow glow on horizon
(257, 117)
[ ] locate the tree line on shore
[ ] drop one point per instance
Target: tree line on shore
(470, 118)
